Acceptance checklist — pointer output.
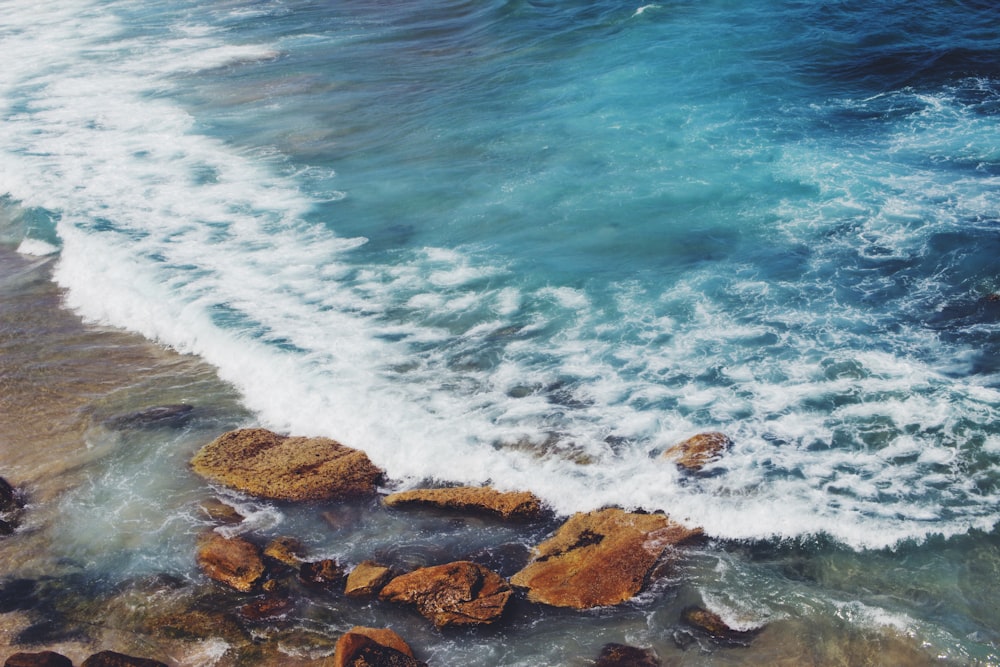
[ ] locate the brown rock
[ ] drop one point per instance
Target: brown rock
(520, 505)
(712, 624)
(269, 465)
(373, 647)
(42, 659)
(698, 451)
(112, 659)
(459, 593)
(600, 558)
(367, 579)
(220, 512)
(231, 561)
(620, 655)
(287, 550)
(266, 608)
(323, 574)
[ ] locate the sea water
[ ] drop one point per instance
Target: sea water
(535, 244)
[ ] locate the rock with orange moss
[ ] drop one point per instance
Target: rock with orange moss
(373, 647)
(698, 451)
(269, 465)
(232, 561)
(367, 579)
(510, 505)
(459, 593)
(599, 558)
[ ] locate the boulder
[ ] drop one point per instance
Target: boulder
(286, 550)
(279, 467)
(232, 561)
(323, 574)
(112, 659)
(373, 647)
(599, 558)
(42, 659)
(621, 655)
(698, 451)
(517, 505)
(367, 579)
(459, 593)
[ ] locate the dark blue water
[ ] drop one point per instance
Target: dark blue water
(537, 243)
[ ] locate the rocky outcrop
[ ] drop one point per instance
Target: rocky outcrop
(599, 558)
(459, 593)
(112, 659)
(367, 579)
(373, 647)
(231, 561)
(698, 451)
(512, 505)
(41, 659)
(274, 466)
(621, 655)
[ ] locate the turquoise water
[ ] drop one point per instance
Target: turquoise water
(537, 243)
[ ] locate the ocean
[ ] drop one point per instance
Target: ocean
(534, 244)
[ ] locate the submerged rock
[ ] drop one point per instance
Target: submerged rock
(459, 593)
(326, 573)
(232, 561)
(112, 659)
(698, 451)
(373, 647)
(599, 558)
(220, 512)
(155, 417)
(279, 467)
(520, 505)
(712, 625)
(367, 579)
(621, 655)
(41, 659)
(286, 550)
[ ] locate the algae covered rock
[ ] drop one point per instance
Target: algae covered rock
(698, 451)
(268, 465)
(231, 561)
(599, 558)
(517, 505)
(459, 593)
(373, 647)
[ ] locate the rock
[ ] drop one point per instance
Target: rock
(322, 574)
(11, 506)
(231, 561)
(519, 505)
(196, 624)
(287, 550)
(599, 558)
(269, 465)
(112, 659)
(266, 608)
(367, 579)
(372, 647)
(42, 659)
(712, 625)
(620, 655)
(220, 512)
(160, 415)
(459, 593)
(698, 451)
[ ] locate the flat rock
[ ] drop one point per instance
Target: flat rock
(459, 593)
(516, 505)
(373, 647)
(232, 561)
(698, 451)
(112, 659)
(599, 558)
(41, 659)
(268, 465)
(367, 579)
(621, 655)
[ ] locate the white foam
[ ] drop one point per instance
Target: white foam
(37, 248)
